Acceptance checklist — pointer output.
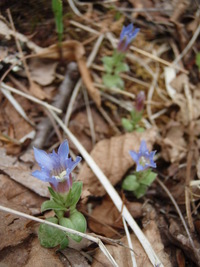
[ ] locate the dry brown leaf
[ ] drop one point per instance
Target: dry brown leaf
(79, 126)
(174, 146)
(13, 229)
(105, 219)
(122, 254)
(22, 174)
(93, 92)
(42, 257)
(42, 71)
(19, 195)
(37, 91)
(71, 51)
(112, 156)
(74, 257)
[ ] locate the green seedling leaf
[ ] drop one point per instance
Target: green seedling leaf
(58, 10)
(50, 236)
(74, 194)
(148, 179)
(140, 191)
(58, 198)
(127, 125)
(77, 222)
(113, 81)
(52, 205)
(139, 129)
(108, 64)
(121, 67)
(198, 60)
(130, 183)
(136, 116)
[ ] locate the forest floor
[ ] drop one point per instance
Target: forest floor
(50, 93)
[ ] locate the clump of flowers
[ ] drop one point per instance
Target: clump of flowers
(143, 177)
(115, 64)
(135, 115)
(56, 169)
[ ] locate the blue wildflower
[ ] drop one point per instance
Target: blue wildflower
(144, 158)
(56, 168)
(126, 37)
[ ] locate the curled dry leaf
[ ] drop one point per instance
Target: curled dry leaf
(42, 71)
(71, 51)
(112, 156)
(93, 92)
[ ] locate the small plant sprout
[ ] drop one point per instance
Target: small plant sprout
(114, 65)
(56, 169)
(143, 177)
(135, 115)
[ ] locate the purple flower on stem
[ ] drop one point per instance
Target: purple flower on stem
(126, 37)
(56, 168)
(144, 158)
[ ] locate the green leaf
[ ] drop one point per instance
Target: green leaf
(139, 129)
(121, 67)
(130, 183)
(58, 10)
(58, 198)
(136, 116)
(50, 236)
(198, 60)
(77, 222)
(127, 124)
(148, 179)
(108, 64)
(140, 191)
(113, 81)
(52, 205)
(74, 194)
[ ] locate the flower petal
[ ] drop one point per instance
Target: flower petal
(42, 175)
(134, 156)
(43, 159)
(143, 147)
(63, 152)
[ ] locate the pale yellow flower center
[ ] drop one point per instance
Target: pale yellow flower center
(143, 161)
(61, 176)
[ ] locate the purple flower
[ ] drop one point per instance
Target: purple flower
(139, 103)
(56, 168)
(144, 158)
(126, 37)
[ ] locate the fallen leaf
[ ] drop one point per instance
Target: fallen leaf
(74, 257)
(22, 174)
(71, 50)
(19, 195)
(174, 147)
(42, 71)
(37, 91)
(41, 257)
(13, 228)
(112, 156)
(93, 92)
(105, 219)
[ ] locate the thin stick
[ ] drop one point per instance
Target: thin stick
(177, 209)
(188, 47)
(32, 98)
(129, 243)
(68, 230)
(112, 193)
(74, 8)
(86, 28)
(89, 114)
(78, 85)
(116, 90)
